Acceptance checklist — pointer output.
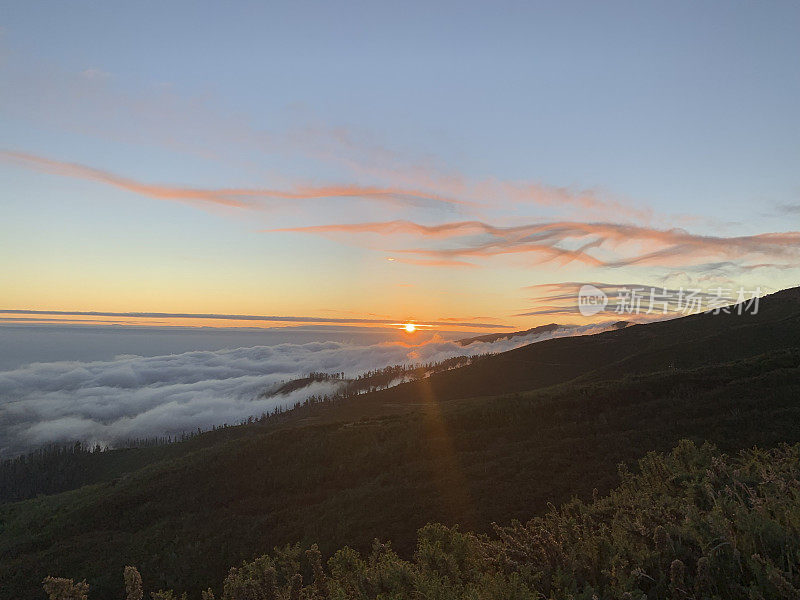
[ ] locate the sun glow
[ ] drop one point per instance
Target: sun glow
(410, 327)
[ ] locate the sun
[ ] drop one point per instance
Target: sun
(410, 327)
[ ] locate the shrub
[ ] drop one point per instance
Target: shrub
(693, 523)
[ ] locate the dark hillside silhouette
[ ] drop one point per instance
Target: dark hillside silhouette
(495, 440)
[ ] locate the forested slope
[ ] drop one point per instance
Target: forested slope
(692, 524)
(563, 414)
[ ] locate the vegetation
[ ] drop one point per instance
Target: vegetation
(679, 344)
(375, 379)
(61, 467)
(470, 462)
(502, 438)
(693, 523)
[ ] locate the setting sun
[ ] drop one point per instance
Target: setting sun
(410, 327)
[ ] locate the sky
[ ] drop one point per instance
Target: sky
(460, 165)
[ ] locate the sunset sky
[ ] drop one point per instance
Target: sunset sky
(462, 165)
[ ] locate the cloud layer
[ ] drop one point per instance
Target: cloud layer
(132, 396)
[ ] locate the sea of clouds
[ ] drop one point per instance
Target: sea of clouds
(109, 402)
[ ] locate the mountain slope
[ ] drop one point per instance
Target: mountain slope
(539, 330)
(694, 523)
(680, 343)
(493, 337)
(386, 463)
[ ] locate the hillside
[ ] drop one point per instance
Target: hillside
(694, 523)
(492, 441)
(679, 343)
(533, 331)
(682, 343)
(493, 337)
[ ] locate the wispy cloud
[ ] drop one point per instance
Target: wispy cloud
(92, 102)
(493, 193)
(791, 209)
(595, 244)
(453, 193)
(248, 198)
(437, 262)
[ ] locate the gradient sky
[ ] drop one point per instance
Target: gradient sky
(393, 161)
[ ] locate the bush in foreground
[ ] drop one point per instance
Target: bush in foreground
(692, 524)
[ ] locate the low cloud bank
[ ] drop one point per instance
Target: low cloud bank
(108, 402)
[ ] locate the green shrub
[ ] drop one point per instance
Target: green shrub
(692, 524)
(57, 588)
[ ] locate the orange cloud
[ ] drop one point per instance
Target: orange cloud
(418, 187)
(91, 102)
(440, 262)
(378, 161)
(596, 244)
(228, 197)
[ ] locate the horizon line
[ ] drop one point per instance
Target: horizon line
(262, 318)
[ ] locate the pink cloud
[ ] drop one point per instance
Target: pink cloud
(247, 198)
(595, 244)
